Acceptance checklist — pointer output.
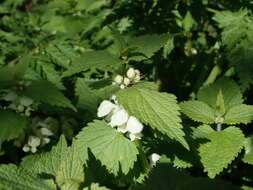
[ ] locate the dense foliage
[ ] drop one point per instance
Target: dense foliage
(126, 94)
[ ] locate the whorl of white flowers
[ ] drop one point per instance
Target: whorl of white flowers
(153, 158)
(132, 76)
(20, 104)
(118, 117)
(42, 131)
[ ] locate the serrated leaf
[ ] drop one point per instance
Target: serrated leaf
(46, 92)
(70, 170)
(91, 93)
(95, 186)
(248, 156)
(202, 132)
(222, 149)
(239, 114)
(13, 178)
(93, 60)
(109, 146)
(159, 110)
(148, 45)
(47, 162)
(198, 111)
(11, 125)
(230, 91)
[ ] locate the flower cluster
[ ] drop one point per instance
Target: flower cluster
(118, 117)
(42, 130)
(20, 104)
(132, 76)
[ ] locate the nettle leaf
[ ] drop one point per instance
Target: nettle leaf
(201, 132)
(93, 60)
(159, 110)
(222, 149)
(248, 156)
(11, 125)
(70, 170)
(14, 178)
(47, 162)
(89, 96)
(239, 114)
(95, 186)
(46, 92)
(109, 146)
(198, 111)
(148, 45)
(230, 91)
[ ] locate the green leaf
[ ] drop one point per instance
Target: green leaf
(188, 22)
(70, 170)
(148, 45)
(13, 178)
(11, 125)
(95, 186)
(89, 97)
(108, 146)
(221, 150)
(239, 114)
(159, 110)
(248, 156)
(93, 60)
(230, 91)
(46, 92)
(202, 132)
(198, 111)
(220, 105)
(47, 162)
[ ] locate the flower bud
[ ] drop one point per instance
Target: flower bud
(127, 81)
(137, 72)
(20, 108)
(26, 148)
(131, 73)
(122, 86)
(118, 79)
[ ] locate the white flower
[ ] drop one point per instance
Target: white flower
(118, 118)
(153, 158)
(33, 141)
(134, 125)
(127, 81)
(46, 132)
(134, 136)
(105, 108)
(137, 78)
(118, 79)
(137, 72)
(26, 148)
(122, 128)
(131, 73)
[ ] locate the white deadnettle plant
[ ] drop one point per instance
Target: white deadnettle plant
(118, 117)
(132, 76)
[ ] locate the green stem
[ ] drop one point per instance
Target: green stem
(213, 75)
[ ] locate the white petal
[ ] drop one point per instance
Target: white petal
(126, 81)
(118, 79)
(119, 118)
(153, 158)
(33, 149)
(46, 132)
(33, 141)
(134, 136)
(105, 108)
(122, 129)
(134, 125)
(26, 148)
(46, 140)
